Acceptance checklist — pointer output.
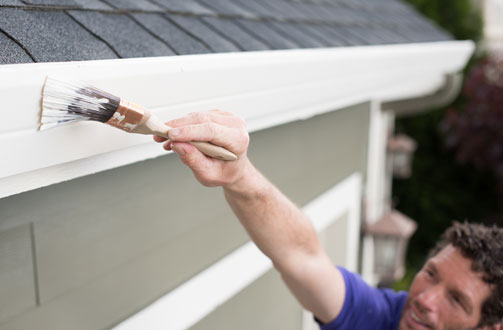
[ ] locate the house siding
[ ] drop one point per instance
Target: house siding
(111, 243)
(267, 304)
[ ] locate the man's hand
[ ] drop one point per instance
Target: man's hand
(218, 127)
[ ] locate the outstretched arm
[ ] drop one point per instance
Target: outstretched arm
(274, 223)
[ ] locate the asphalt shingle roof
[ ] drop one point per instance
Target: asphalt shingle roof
(203, 32)
(181, 42)
(72, 30)
(11, 52)
(240, 37)
(41, 37)
(122, 34)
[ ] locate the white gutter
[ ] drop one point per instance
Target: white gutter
(266, 88)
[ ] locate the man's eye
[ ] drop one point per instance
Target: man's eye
(457, 301)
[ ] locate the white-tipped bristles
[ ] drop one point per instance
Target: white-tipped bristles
(64, 102)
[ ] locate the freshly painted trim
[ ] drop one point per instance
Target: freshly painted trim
(220, 282)
(376, 180)
(266, 88)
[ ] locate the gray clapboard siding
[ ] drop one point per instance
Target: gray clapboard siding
(306, 158)
(17, 281)
(129, 212)
(266, 305)
(111, 243)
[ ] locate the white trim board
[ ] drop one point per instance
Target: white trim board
(220, 282)
(266, 88)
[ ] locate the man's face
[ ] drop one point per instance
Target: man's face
(446, 294)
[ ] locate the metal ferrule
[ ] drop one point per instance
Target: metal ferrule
(128, 116)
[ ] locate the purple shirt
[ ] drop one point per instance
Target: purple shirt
(366, 307)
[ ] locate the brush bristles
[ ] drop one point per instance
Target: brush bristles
(65, 102)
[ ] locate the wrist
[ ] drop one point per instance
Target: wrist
(247, 184)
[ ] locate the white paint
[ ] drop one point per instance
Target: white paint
(266, 88)
(129, 126)
(376, 199)
(118, 117)
(58, 95)
(193, 300)
(376, 162)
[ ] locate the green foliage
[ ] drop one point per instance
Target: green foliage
(460, 17)
(404, 283)
(439, 190)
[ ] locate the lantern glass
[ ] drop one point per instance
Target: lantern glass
(401, 163)
(386, 250)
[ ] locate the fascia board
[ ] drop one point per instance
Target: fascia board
(266, 88)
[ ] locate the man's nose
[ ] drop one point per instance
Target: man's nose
(429, 299)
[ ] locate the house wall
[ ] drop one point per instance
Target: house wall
(267, 304)
(90, 252)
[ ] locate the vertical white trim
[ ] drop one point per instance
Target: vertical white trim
(186, 305)
(353, 209)
(375, 162)
(375, 190)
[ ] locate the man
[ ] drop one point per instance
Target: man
(460, 287)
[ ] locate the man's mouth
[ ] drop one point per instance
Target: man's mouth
(417, 321)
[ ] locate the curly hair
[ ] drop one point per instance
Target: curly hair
(484, 246)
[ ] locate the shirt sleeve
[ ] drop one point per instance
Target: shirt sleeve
(366, 307)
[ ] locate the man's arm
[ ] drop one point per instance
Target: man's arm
(274, 223)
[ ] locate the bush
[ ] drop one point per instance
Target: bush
(460, 17)
(474, 129)
(447, 183)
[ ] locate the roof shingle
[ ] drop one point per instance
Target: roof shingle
(200, 30)
(10, 3)
(93, 4)
(181, 42)
(134, 5)
(235, 33)
(226, 7)
(264, 31)
(61, 3)
(36, 31)
(11, 52)
(184, 6)
(298, 33)
(122, 33)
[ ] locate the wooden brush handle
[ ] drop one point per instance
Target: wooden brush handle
(154, 126)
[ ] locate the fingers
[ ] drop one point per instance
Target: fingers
(167, 145)
(231, 138)
(224, 118)
(159, 138)
(201, 166)
(189, 155)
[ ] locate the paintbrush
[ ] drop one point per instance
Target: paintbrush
(65, 102)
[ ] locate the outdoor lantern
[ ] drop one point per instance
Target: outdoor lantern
(391, 234)
(401, 148)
